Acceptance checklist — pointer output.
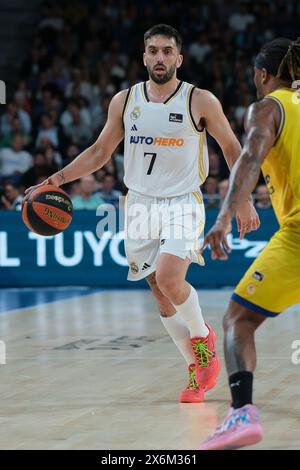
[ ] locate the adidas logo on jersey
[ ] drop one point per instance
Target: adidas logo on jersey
(134, 128)
(145, 266)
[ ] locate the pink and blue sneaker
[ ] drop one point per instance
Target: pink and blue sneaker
(240, 428)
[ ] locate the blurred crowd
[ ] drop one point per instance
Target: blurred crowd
(84, 52)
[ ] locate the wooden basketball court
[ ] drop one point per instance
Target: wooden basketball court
(98, 371)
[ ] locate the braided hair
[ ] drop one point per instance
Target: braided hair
(281, 58)
(291, 60)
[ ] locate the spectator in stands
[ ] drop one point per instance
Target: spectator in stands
(15, 160)
(262, 197)
(53, 157)
(12, 111)
(111, 168)
(24, 95)
(11, 199)
(16, 128)
(108, 193)
(78, 86)
(210, 189)
(200, 49)
(59, 73)
(100, 175)
(78, 131)
(47, 129)
(48, 98)
(71, 153)
(241, 19)
(38, 170)
(87, 199)
(222, 190)
(66, 118)
(214, 164)
(73, 188)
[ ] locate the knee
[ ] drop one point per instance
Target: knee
(237, 316)
(167, 283)
(229, 320)
(155, 288)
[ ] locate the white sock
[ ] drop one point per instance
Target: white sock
(191, 313)
(180, 334)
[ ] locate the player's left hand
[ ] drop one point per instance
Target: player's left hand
(247, 218)
(216, 238)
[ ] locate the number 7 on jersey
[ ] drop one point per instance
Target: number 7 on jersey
(154, 155)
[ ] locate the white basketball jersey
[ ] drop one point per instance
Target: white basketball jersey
(165, 154)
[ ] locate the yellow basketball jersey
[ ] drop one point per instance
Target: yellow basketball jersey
(281, 167)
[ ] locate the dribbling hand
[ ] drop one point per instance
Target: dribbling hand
(47, 181)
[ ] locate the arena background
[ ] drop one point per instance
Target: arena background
(61, 63)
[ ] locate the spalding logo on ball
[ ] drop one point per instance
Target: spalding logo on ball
(47, 210)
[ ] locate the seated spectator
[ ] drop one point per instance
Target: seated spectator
(23, 93)
(240, 18)
(99, 113)
(71, 153)
(200, 49)
(210, 189)
(53, 156)
(48, 98)
(78, 83)
(87, 199)
(262, 197)
(222, 190)
(73, 188)
(40, 169)
(100, 175)
(12, 111)
(66, 118)
(214, 163)
(15, 160)
(47, 129)
(11, 199)
(108, 193)
(16, 128)
(77, 131)
(111, 168)
(118, 157)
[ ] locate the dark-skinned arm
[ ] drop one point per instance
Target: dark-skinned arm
(261, 124)
(216, 123)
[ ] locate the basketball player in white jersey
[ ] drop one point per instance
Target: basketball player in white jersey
(164, 122)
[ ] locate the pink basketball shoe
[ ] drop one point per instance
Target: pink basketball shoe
(192, 393)
(240, 428)
(208, 363)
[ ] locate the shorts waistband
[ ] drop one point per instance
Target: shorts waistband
(147, 196)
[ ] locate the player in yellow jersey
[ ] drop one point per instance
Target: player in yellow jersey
(272, 283)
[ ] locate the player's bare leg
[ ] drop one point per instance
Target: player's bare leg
(180, 334)
(170, 276)
(242, 425)
(239, 325)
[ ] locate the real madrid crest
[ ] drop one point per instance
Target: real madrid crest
(135, 113)
(134, 268)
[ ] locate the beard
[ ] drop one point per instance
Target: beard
(160, 80)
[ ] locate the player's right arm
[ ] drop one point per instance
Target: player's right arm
(99, 153)
(261, 125)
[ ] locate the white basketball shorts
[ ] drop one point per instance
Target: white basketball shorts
(155, 225)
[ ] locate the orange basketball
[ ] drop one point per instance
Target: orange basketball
(47, 210)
